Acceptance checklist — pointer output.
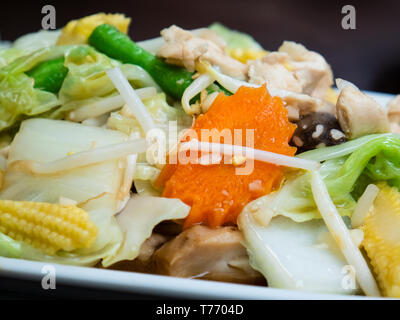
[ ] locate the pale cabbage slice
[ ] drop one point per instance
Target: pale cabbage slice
(96, 186)
(31, 42)
(296, 256)
(137, 220)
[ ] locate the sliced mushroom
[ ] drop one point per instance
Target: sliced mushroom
(359, 114)
(213, 254)
(316, 130)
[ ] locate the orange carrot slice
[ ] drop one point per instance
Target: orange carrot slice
(215, 192)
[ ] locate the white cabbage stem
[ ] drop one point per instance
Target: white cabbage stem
(82, 159)
(342, 236)
(229, 83)
(131, 99)
(364, 204)
(130, 167)
(208, 101)
(152, 45)
(96, 122)
(250, 153)
(103, 106)
(198, 85)
(129, 173)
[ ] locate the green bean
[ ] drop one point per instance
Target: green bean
(115, 44)
(49, 75)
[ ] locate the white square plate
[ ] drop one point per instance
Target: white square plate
(170, 287)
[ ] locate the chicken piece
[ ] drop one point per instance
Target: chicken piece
(293, 68)
(359, 114)
(202, 252)
(304, 74)
(310, 69)
(300, 104)
(211, 35)
(183, 48)
(394, 104)
(275, 75)
(394, 114)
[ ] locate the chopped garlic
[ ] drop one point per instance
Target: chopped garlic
(238, 160)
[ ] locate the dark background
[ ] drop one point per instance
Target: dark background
(368, 56)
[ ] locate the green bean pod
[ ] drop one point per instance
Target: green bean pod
(49, 75)
(117, 45)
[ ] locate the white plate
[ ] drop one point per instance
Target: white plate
(140, 283)
(158, 285)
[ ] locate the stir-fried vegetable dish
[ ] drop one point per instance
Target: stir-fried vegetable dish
(197, 154)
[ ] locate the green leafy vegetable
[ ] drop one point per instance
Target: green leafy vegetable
(8, 247)
(163, 115)
(344, 149)
(26, 45)
(235, 39)
(76, 73)
(86, 77)
(87, 80)
(18, 97)
(295, 200)
(8, 55)
(375, 159)
(160, 111)
(97, 187)
(32, 42)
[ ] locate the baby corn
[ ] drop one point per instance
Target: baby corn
(48, 227)
(382, 240)
(243, 55)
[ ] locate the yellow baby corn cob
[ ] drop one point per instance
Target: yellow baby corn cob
(243, 55)
(78, 31)
(382, 240)
(48, 227)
